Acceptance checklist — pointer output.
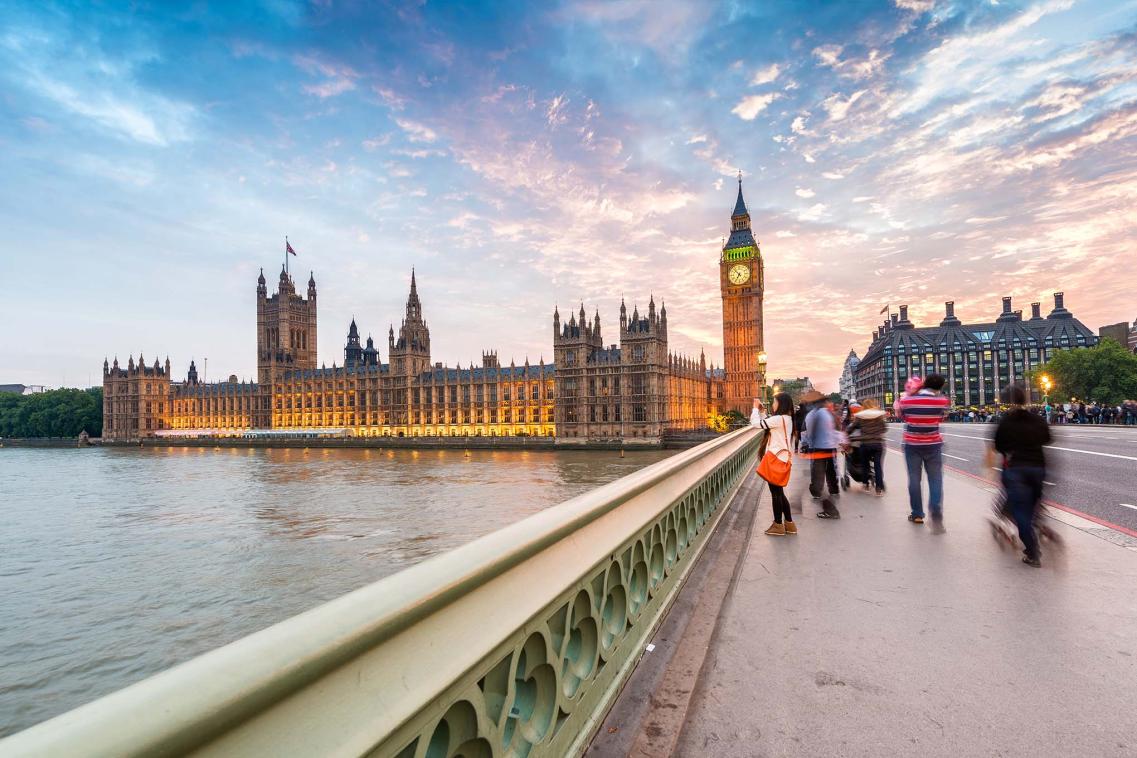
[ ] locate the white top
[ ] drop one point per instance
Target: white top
(780, 428)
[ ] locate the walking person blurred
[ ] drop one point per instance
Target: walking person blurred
(922, 414)
(869, 423)
(820, 442)
(779, 430)
(1019, 439)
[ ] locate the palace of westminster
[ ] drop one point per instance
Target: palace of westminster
(631, 392)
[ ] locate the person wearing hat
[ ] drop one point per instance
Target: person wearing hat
(820, 440)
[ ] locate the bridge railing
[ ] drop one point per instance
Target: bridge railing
(514, 644)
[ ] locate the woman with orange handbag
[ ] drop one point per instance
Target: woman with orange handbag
(775, 464)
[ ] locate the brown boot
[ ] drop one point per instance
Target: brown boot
(790, 527)
(776, 530)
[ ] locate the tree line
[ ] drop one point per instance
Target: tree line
(55, 413)
(1105, 373)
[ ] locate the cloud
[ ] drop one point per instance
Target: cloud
(804, 192)
(750, 106)
(851, 68)
(697, 139)
(330, 88)
(917, 6)
(838, 107)
(765, 75)
(415, 131)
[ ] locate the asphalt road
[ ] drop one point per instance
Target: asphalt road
(1090, 469)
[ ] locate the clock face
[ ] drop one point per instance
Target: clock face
(739, 274)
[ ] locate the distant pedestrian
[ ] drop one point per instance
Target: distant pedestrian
(820, 442)
(779, 431)
(869, 424)
(922, 414)
(1019, 439)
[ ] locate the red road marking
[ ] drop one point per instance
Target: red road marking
(1045, 501)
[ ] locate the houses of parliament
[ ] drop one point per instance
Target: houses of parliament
(633, 391)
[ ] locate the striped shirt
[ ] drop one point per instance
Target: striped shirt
(922, 414)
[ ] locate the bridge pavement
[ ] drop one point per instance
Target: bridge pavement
(871, 636)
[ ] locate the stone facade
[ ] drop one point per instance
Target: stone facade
(978, 360)
(635, 391)
(1124, 334)
(742, 284)
(847, 385)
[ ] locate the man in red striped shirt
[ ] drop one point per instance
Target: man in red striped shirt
(922, 413)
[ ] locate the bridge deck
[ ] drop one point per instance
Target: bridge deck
(870, 636)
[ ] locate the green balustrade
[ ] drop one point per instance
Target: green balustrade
(513, 645)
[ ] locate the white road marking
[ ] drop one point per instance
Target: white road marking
(1094, 452)
(949, 455)
(1052, 484)
(1128, 505)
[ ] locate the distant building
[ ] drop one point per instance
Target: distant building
(795, 388)
(22, 389)
(847, 386)
(978, 360)
(1124, 334)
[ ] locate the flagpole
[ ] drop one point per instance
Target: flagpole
(286, 253)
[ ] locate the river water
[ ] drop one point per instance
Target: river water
(118, 563)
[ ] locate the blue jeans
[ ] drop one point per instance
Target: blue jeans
(1023, 485)
(931, 458)
(872, 455)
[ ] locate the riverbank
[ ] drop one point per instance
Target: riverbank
(390, 443)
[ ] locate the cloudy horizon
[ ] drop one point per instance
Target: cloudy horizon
(525, 156)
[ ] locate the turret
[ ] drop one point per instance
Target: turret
(262, 288)
(106, 366)
(623, 315)
(556, 323)
(311, 285)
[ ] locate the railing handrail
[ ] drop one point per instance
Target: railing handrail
(187, 706)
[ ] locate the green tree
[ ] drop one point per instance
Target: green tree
(56, 413)
(1105, 373)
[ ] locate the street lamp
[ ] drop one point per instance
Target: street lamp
(1046, 384)
(762, 369)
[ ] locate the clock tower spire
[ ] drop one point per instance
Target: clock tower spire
(742, 283)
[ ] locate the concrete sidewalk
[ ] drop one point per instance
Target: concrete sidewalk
(870, 636)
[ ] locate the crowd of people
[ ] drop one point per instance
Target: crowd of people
(1122, 414)
(819, 434)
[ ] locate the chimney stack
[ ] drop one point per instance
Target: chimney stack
(949, 309)
(1006, 305)
(894, 317)
(1058, 301)
(904, 313)
(1035, 310)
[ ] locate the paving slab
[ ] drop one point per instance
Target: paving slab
(870, 636)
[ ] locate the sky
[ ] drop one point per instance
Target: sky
(523, 155)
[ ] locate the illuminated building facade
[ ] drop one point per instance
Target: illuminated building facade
(636, 390)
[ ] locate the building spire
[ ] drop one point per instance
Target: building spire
(740, 204)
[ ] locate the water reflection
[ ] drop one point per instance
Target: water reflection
(115, 564)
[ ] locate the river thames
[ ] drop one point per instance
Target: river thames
(118, 563)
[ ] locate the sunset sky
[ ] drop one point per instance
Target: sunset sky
(526, 154)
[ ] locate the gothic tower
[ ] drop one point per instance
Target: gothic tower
(742, 282)
(286, 328)
(410, 354)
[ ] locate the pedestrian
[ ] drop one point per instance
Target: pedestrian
(869, 423)
(820, 442)
(799, 424)
(1019, 439)
(922, 414)
(779, 431)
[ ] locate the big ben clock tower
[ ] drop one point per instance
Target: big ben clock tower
(742, 282)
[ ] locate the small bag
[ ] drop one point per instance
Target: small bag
(774, 470)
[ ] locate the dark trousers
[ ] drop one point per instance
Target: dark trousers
(822, 472)
(1024, 493)
(781, 503)
(872, 456)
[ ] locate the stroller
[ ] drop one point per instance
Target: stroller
(855, 470)
(1006, 533)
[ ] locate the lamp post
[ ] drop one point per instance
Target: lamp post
(1045, 382)
(762, 370)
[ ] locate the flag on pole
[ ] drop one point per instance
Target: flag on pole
(882, 310)
(288, 247)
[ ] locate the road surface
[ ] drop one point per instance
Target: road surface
(1090, 469)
